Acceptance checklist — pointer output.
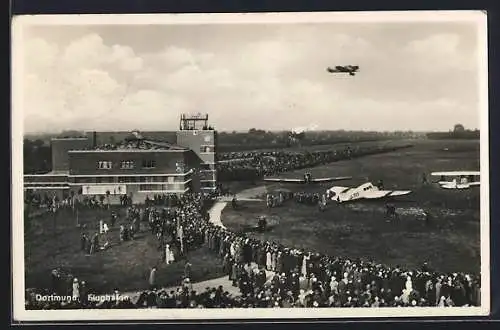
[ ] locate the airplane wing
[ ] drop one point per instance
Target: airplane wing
(385, 193)
(331, 179)
(284, 180)
(456, 173)
(340, 68)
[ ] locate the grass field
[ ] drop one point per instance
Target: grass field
(450, 243)
(124, 266)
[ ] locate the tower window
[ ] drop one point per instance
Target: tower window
(106, 165)
(127, 164)
(148, 163)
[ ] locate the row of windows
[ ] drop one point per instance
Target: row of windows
(132, 179)
(162, 187)
(126, 165)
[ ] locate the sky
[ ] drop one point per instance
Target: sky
(413, 76)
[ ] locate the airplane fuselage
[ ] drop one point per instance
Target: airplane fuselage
(458, 179)
(364, 191)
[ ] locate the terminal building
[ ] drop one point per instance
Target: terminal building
(139, 166)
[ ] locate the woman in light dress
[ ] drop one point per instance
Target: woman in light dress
(169, 255)
(405, 297)
(268, 260)
(305, 259)
(76, 289)
(274, 256)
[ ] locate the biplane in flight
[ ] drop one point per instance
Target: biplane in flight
(364, 191)
(308, 178)
(350, 69)
(458, 179)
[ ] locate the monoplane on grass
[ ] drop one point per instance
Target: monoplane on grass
(364, 191)
(307, 179)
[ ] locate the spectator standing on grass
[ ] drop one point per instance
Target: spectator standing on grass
(55, 279)
(438, 290)
(187, 269)
(76, 290)
(152, 279)
(424, 178)
(113, 218)
(83, 242)
(168, 259)
(94, 245)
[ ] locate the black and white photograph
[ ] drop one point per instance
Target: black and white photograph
(250, 166)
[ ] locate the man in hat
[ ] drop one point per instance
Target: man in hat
(84, 242)
(94, 245)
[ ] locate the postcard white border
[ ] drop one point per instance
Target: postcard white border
(20, 314)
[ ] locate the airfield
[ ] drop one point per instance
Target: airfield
(358, 230)
(361, 230)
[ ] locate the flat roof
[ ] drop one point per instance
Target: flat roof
(139, 145)
(51, 173)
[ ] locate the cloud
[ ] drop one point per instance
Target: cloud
(278, 82)
(439, 53)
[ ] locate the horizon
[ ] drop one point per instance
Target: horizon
(247, 131)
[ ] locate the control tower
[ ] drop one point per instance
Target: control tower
(196, 134)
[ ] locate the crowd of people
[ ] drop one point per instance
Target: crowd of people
(257, 164)
(268, 274)
(307, 198)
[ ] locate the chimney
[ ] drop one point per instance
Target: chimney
(94, 139)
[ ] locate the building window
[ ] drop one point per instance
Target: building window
(127, 165)
(104, 165)
(207, 184)
(206, 149)
(148, 163)
(179, 167)
(207, 167)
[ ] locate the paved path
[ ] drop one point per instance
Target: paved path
(215, 213)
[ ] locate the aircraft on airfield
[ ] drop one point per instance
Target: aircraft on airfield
(458, 179)
(364, 191)
(350, 69)
(307, 179)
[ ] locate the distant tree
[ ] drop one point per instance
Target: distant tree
(458, 128)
